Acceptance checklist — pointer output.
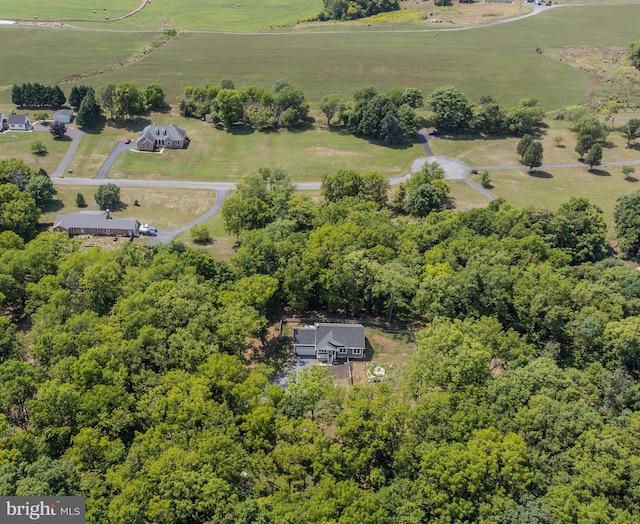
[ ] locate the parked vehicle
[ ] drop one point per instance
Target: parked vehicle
(148, 230)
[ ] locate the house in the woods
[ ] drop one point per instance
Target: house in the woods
(19, 122)
(330, 342)
(99, 223)
(154, 137)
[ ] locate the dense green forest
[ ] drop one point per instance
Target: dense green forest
(124, 373)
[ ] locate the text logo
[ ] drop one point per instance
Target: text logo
(45, 510)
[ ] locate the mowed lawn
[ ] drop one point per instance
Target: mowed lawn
(475, 150)
(18, 144)
(220, 156)
(550, 189)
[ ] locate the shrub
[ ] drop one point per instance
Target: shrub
(200, 234)
(38, 148)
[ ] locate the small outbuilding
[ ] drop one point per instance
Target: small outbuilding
(64, 116)
(99, 223)
(3, 123)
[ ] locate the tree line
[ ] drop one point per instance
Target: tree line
(283, 107)
(37, 95)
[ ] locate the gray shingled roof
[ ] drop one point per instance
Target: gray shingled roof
(17, 119)
(154, 132)
(94, 219)
(350, 335)
(304, 336)
(63, 112)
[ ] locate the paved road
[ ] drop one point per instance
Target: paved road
(117, 150)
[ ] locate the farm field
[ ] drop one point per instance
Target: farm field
(164, 208)
(208, 15)
(67, 10)
(48, 56)
(500, 60)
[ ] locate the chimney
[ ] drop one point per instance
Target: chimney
(108, 217)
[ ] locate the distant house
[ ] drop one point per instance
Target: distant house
(97, 223)
(330, 342)
(63, 115)
(3, 123)
(154, 136)
(18, 122)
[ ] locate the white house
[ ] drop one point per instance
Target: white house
(330, 342)
(18, 122)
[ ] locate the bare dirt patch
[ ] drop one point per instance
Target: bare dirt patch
(326, 151)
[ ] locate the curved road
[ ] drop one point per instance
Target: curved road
(76, 136)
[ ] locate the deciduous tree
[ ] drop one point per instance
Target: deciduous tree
(451, 108)
(533, 155)
(41, 189)
(58, 129)
(594, 156)
(108, 197)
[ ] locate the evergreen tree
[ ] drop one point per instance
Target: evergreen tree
(16, 95)
(88, 112)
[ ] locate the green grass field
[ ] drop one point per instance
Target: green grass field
(164, 208)
(18, 144)
(549, 190)
(207, 15)
(501, 151)
(216, 155)
(67, 10)
(499, 60)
